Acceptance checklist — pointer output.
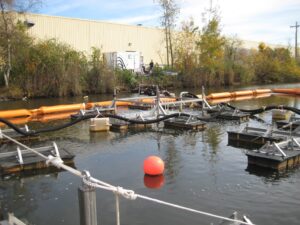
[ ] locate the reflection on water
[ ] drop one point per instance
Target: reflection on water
(29, 174)
(201, 172)
(212, 137)
(269, 175)
(154, 182)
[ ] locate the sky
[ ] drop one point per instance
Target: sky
(254, 20)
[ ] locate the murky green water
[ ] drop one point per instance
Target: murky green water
(202, 172)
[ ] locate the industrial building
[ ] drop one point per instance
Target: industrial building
(109, 37)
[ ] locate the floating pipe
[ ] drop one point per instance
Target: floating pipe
(219, 95)
(220, 100)
(240, 98)
(60, 108)
(242, 93)
(76, 107)
(19, 120)
(152, 100)
(54, 116)
(15, 113)
(238, 93)
(291, 91)
(262, 91)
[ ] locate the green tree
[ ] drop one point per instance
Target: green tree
(185, 53)
(100, 78)
(211, 56)
(275, 65)
(9, 29)
(168, 20)
(50, 68)
(232, 46)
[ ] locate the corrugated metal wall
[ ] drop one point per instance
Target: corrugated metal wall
(110, 37)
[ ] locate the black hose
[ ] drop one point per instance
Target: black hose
(84, 117)
(17, 129)
(189, 95)
(35, 132)
(263, 109)
(147, 121)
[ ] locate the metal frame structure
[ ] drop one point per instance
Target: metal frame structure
(12, 131)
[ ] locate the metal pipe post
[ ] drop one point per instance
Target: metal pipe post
(296, 39)
(87, 205)
(180, 106)
(157, 100)
(203, 100)
(115, 100)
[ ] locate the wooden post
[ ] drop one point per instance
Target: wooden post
(87, 205)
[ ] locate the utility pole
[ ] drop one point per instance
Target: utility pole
(296, 39)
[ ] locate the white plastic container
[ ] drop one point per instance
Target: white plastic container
(99, 124)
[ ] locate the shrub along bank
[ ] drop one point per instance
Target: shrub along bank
(50, 68)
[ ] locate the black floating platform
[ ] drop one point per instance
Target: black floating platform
(250, 140)
(123, 126)
(273, 161)
(140, 106)
(10, 164)
(181, 123)
(258, 136)
(285, 124)
(229, 115)
(19, 137)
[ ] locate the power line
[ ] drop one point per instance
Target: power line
(296, 38)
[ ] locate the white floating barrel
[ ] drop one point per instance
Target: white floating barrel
(279, 114)
(99, 124)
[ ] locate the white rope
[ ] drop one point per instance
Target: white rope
(56, 161)
(130, 194)
(191, 210)
(25, 146)
(126, 193)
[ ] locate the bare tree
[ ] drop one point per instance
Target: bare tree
(168, 20)
(9, 9)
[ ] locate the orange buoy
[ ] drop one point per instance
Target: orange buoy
(154, 182)
(153, 165)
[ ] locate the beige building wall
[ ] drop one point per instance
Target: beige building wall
(109, 37)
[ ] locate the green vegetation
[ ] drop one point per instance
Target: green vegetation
(207, 58)
(99, 79)
(201, 57)
(50, 68)
(170, 11)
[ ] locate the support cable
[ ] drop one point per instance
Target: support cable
(126, 193)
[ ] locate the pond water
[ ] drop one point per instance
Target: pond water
(201, 172)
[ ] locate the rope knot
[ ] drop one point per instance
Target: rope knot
(56, 161)
(128, 194)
